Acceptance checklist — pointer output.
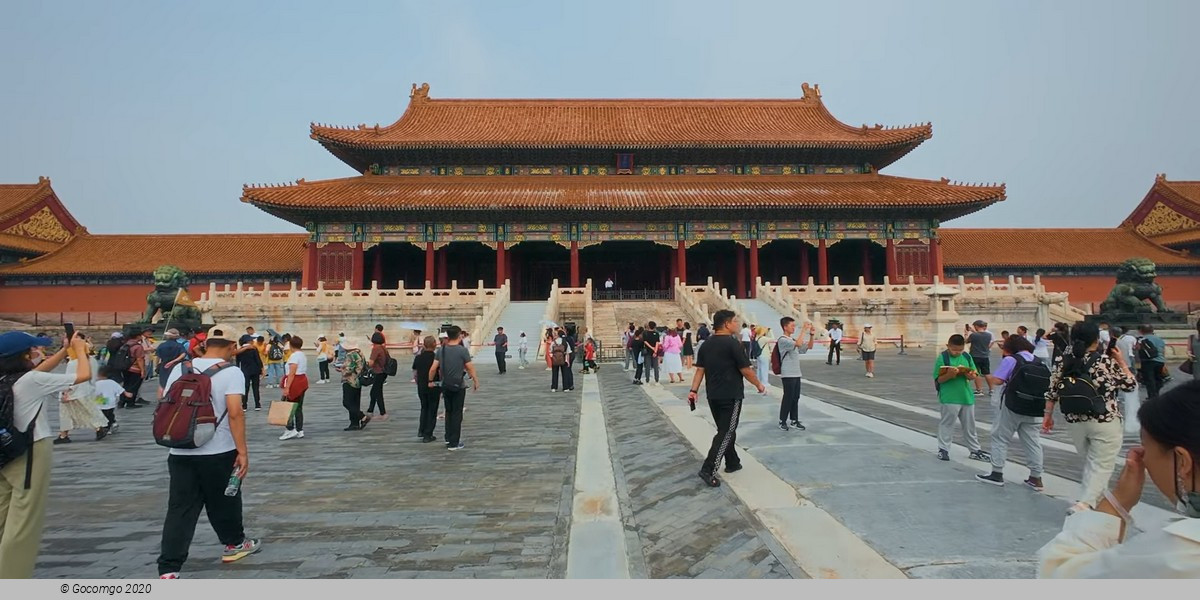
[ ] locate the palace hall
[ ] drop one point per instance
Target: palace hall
(640, 191)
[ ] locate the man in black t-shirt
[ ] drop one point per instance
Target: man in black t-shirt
(430, 397)
(501, 343)
(650, 339)
(725, 363)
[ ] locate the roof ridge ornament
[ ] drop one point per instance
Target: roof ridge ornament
(419, 94)
(1160, 177)
(812, 92)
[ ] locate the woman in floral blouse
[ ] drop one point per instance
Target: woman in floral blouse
(352, 368)
(1097, 437)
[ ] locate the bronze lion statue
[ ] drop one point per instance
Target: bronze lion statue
(1135, 291)
(168, 280)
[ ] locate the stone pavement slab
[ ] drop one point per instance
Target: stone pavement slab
(923, 515)
(679, 527)
(905, 383)
(335, 504)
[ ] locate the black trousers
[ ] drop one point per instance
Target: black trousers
(323, 368)
(835, 347)
(725, 413)
(297, 420)
(789, 407)
(109, 414)
(637, 373)
(500, 361)
(377, 394)
(454, 414)
(198, 482)
(133, 383)
(251, 386)
(1152, 378)
(430, 398)
(352, 401)
(565, 370)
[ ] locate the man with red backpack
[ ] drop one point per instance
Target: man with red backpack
(785, 362)
(202, 470)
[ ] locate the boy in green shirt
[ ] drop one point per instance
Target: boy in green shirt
(954, 371)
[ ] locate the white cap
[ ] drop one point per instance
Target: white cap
(867, 326)
(443, 335)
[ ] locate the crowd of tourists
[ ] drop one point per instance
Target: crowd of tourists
(1087, 373)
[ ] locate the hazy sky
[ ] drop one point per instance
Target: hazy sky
(149, 116)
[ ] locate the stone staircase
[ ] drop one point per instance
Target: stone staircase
(517, 317)
(609, 319)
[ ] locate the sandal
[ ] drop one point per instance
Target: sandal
(710, 479)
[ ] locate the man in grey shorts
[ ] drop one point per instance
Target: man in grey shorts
(980, 341)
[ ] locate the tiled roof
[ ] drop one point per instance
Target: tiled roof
(802, 123)
(632, 192)
(22, 243)
(16, 197)
(1188, 236)
(1187, 192)
(967, 248)
(195, 253)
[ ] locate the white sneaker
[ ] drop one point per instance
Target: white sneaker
(299, 434)
(871, 375)
(289, 434)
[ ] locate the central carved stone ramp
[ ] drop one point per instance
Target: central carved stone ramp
(609, 319)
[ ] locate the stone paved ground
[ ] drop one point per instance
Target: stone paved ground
(683, 529)
(376, 503)
(907, 379)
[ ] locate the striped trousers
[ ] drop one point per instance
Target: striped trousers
(725, 413)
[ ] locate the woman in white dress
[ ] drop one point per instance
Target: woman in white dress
(672, 348)
(78, 409)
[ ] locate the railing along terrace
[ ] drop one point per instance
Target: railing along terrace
(243, 294)
(1014, 287)
(632, 295)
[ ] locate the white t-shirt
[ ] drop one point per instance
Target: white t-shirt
(107, 392)
(835, 334)
(745, 334)
(31, 392)
(300, 360)
(226, 383)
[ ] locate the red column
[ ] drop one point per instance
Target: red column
(501, 264)
(804, 271)
(443, 275)
(892, 272)
(429, 255)
(308, 278)
(935, 259)
(357, 265)
(377, 265)
(575, 265)
(866, 262)
(753, 268)
(681, 254)
(822, 263)
(740, 258)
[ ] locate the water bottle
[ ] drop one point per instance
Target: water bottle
(235, 484)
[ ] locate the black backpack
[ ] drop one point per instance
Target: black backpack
(14, 444)
(122, 359)
(275, 352)
(1025, 392)
(1079, 395)
(391, 366)
(1147, 350)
